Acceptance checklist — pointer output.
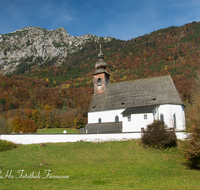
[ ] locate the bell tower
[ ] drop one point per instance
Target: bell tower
(101, 76)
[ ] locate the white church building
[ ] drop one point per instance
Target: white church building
(130, 106)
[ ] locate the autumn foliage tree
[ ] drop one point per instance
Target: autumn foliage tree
(192, 151)
(23, 125)
(3, 125)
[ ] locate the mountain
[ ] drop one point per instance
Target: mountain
(34, 44)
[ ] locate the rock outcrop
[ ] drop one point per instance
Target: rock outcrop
(37, 42)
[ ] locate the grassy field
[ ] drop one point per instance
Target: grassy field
(57, 130)
(109, 165)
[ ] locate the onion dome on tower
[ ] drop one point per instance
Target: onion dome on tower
(100, 63)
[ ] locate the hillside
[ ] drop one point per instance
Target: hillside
(110, 165)
(173, 51)
(56, 93)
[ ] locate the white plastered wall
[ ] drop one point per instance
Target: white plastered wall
(56, 138)
(137, 122)
(168, 110)
(106, 116)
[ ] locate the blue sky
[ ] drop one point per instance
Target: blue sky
(121, 19)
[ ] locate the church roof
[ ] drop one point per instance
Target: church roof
(143, 92)
(139, 109)
(101, 70)
(109, 127)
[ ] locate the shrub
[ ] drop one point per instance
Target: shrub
(157, 136)
(6, 145)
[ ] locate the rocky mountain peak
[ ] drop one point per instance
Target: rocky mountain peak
(39, 43)
(62, 30)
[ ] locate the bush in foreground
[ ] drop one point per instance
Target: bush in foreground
(157, 136)
(6, 145)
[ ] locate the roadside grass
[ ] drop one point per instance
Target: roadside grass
(57, 130)
(108, 165)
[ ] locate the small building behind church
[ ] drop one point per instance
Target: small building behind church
(130, 106)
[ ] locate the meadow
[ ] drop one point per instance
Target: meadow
(86, 165)
(56, 130)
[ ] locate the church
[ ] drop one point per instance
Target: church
(130, 106)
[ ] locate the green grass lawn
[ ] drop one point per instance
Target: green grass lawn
(109, 165)
(57, 130)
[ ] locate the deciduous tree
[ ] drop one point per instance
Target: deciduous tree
(192, 152)
(23, 125)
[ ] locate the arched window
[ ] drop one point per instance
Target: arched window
(174, 117)
(116, 118)
(161, 117)
(99, 82)
(99, 120)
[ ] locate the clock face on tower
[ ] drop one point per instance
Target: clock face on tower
(99, 87)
